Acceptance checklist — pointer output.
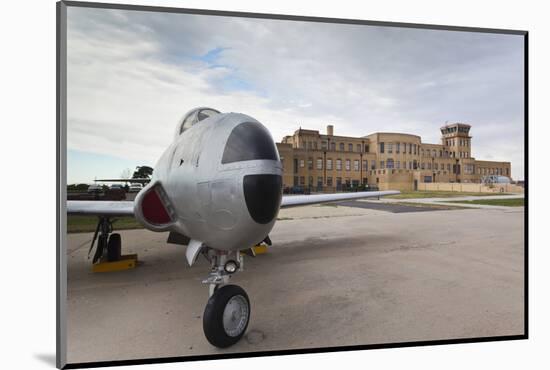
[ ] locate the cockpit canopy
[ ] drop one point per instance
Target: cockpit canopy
(193, 117)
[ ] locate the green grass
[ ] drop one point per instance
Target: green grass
(437, 194)
(284, 218)
(516, 202)
(428, 205)
(83, 224)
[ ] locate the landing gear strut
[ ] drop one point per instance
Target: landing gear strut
(227, 312)
(108, 244)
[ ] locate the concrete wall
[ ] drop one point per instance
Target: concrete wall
(473, 188)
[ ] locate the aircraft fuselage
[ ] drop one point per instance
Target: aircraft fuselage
(219, 182)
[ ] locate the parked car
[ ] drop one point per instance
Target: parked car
(116, 186)
(296, 190)
(134, 188)
(95, 188)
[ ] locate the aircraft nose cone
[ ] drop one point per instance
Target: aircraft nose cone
(262, 194)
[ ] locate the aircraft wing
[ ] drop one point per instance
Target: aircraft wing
(140, 180)
(100, 208)
(126, 208)
(302, 200)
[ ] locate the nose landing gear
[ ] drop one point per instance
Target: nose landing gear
(227, 311)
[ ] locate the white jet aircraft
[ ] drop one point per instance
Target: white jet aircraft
(217, 189)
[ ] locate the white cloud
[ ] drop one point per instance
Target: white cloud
(132, 75)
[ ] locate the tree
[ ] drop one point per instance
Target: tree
(142, 172)
(126, 173)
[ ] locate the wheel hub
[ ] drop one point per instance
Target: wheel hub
(235, 316)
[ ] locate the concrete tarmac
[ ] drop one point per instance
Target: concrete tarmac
(335, 276)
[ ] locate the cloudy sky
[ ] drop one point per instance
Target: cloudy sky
(132, 75)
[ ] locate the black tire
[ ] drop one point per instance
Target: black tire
(212, 320)
(114, 248)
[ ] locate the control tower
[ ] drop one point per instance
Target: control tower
(456, 137)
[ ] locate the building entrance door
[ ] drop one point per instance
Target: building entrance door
(415, 185)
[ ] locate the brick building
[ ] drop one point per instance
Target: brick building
(384, 160)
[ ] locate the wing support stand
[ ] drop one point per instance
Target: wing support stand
(107, 256)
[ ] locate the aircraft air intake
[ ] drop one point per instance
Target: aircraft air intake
(154, 207)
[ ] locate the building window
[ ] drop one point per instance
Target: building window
(429, 165)
(319, 182)
(381, 164)
(338, 183)
(302, 180)
(310, 163)
(366, 165)
(323, 145)
(310, 181)
(333, 146)
(397, 147)
(381, 147)
(389, 163)
(448, 167)
(398, 164)
(329, 164)
(319, 163)
(410, 148)
(348, 164)
(350, 147)
(359, 149)
(422, 152)
(338, 165)
(356, 165)
(422, 166)
(390, 147)
(367, 147)
(302, 163)
(341, 147)
(329, 181)
(436, 166)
